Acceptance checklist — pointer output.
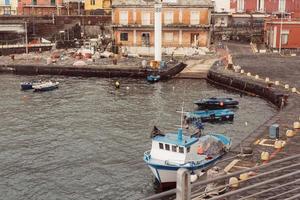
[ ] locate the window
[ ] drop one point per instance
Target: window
(145, 18)
(240, 5)
(146, 39)
(281, 6)
(168, 37)
(195, 18)
(161, 146)
(93, 2)
(53, 3)
(123, 17)
(168, 17)
(284, 37)
(7, 2)
(174, 148)
(124, 36)
(167, 147)
(188, 149)
(195, 39)
(34, 2)
(181, 150)
(260, 5)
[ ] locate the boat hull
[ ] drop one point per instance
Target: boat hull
(153, 79)
(216, 103)
(211, 115)
(25, 86)
(44, 89)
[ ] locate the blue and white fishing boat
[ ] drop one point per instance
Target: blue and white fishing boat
(211, 115)
(153, 78)
(172, 151)
(45, 86)
(214, 103)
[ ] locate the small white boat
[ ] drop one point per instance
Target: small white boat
(45, 86)
(172, 151)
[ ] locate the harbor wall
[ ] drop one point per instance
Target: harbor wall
(242, 84)
(90, 71)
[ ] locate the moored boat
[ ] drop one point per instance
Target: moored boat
(172, 151)
(210, 115)
(213, 103)
(45, 86)
(153, 78)
(28, 85)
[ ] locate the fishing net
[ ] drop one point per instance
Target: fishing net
(211, 145)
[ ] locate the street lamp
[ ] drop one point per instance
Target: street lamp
(157, 30)
(280, 37)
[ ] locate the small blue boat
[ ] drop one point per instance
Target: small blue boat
(45, 86)
(214, 103)
(153, 78)
(210, 115)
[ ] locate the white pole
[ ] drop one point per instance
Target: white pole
(157, 31)
(26, 38)
(280, 32)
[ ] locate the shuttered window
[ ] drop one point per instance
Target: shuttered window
(145, 18)
(195, 18)
(168, 17)
(123, 17)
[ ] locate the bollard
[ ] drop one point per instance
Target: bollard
(183, 185)
(286, 86)
(294, 90)
(277, 83)
(242, 71)
(244, 176)
(278, 144)
(290, 133)
(234, 182)
(265, 156)
(248, 74)
(296, 125)
(256, 77)
(267, 79)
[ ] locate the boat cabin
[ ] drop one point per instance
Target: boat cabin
(174, 148)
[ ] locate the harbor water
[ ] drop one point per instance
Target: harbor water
(86, 139)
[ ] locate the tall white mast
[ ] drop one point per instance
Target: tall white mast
(157, 30)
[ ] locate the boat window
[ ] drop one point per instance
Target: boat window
(167, 147)
(188, 149)
(161, 145)
(174, 148)
(181, 150)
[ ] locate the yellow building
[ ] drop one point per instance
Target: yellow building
(97, 7)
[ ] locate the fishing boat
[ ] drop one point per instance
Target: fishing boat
(28, 85)
(210, 115)
(153, 78)
(213, 103)
(45, 86)
(172, 151)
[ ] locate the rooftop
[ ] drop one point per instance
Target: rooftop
(171, 138)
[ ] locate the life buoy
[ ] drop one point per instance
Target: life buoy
(221, 103)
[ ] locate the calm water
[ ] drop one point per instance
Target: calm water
(86, 140)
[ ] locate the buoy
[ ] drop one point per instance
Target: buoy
(244, 176)
(117, 84)
(296, 125)
(276, 82)
(290, 133)
(294, 90)
(194, 177)
(265, 156)
(248, 74)
(256, 77)
(278, 144)
(234, 182)
(221, 103)
(286, 86)
(267, 79)
(242, 71)
(127, 88)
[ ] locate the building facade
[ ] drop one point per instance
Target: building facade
(94, 7)
(8, 7)
(185, 24)
(40, 7)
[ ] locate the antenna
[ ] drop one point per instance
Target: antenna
(181, 120)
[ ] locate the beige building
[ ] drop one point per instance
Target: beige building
(185, 25)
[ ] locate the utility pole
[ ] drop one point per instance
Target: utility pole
(26, 38)
(157, 30)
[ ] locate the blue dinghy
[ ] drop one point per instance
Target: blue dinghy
(213, 103)
(153, 78)
(211, 115)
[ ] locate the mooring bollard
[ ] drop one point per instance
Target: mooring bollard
(265, 156)
(248, 74)
(294, 90)
(234, 182)
(183, 185)
(256, 77)
(242, 71)
(290, 133)
(296, 125)
(267, 79)
(277, 83)
(286, 86)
